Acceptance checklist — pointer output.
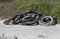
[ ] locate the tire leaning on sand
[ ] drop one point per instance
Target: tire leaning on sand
(47, 20)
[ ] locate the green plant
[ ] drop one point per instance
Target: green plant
(56, 13)
(1, 7)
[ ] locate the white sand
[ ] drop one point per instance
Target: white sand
(30, 32)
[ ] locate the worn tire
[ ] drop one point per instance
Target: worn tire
(47, 20)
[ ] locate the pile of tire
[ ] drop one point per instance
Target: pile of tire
(31, 18)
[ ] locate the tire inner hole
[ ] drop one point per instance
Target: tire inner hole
(46, 20)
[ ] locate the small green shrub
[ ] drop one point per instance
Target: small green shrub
(56, 13)
(39, 6)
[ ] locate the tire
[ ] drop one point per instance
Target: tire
(30, 21)
(8, 22)
(47, 20)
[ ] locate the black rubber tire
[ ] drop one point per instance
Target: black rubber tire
(7, 22)
(49, 20)
(32, 22)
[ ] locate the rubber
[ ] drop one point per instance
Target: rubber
(51, 20)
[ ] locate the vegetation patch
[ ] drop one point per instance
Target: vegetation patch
(1, 7)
